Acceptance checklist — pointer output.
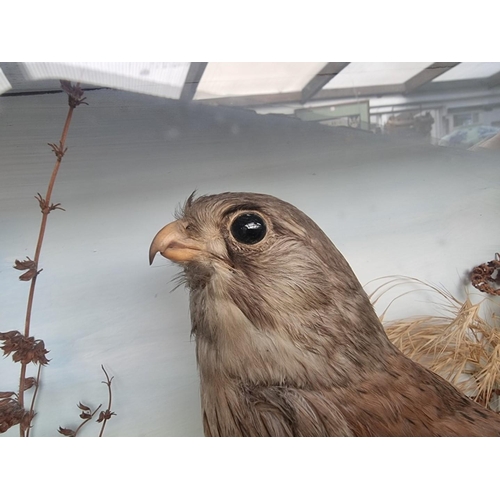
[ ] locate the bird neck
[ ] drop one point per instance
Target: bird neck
(321, 347)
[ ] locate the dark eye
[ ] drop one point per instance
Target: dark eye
(248, 228)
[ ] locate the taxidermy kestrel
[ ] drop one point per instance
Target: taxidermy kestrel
(287, 341)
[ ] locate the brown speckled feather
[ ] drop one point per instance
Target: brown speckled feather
(288, 343)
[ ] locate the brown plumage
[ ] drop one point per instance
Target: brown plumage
(287, 341)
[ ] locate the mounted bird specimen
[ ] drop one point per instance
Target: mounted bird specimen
(287, 341)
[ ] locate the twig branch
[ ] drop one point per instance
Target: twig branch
(106, 415)
(86, 415)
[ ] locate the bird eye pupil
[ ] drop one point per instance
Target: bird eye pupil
(248, 228)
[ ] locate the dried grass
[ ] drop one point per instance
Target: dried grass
(459, 344)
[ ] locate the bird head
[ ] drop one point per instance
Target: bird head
(265, 282)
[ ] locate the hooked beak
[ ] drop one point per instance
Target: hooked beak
(173, 243)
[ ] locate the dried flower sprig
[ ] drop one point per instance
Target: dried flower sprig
(24, 348)
(87, 414)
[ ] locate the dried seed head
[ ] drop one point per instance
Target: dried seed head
(83, 407)
(4, 395)
(11, 413)
(28, 275)
(40, 352)
(105, 415)
(29, 383)
(28, 265)
(7, 335)
(11, 341)
(24, 349)
(484, 275)
(22, 265)
(66, 432)
(74, 92)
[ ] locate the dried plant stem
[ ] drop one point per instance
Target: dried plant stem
(46, 207)
(37, 385)
(107, 414)
(45, 214)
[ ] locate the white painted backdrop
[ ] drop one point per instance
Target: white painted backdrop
(391, 208)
